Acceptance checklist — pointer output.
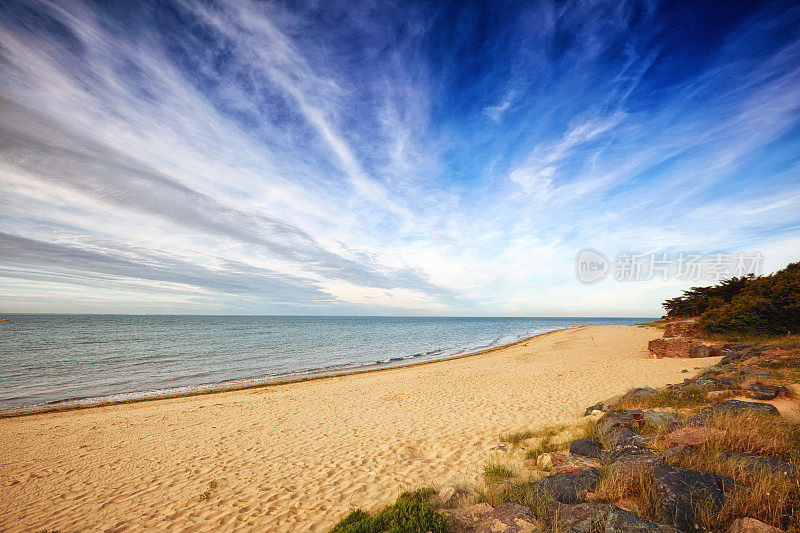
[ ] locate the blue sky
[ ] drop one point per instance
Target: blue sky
(387, 158)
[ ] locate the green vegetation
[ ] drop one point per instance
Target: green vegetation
(493, 472)
(413, 512)
(746, 306)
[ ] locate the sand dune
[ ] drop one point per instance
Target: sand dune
(298, 456)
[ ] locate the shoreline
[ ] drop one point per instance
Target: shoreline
(302, 455)
(218, 388)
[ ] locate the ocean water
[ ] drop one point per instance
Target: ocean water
(59, 360)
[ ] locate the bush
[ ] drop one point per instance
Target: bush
(767, 306)
(411, 513)
(747, 306)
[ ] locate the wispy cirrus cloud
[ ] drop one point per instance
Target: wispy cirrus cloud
(400, 158)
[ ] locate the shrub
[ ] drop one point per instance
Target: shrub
(411, 513)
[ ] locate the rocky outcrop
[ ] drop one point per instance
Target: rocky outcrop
(681, 328)
(675, 347)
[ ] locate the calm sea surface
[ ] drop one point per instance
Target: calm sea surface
(74, 359)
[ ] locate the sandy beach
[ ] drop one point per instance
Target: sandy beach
(298, 456)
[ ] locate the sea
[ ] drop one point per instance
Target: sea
(56, 360)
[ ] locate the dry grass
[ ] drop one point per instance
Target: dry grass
(687, 398)
(516, 437)
(494, 472)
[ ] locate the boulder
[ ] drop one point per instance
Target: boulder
(572, 463)
(751, 525)
(756, 462)
(677, 347)
(679, 492)
(632, 419)
(713, 382)
(681, 328)
(697, 421)
(736, 346)
(691, 436)
(632, 465)
(731, 357)
(639, 393)
(508, 518)
(588, 447)
(764, 392)
(701, 350)
(592, 408)
(739, 407)
(660, 419)
(623, 450)
(618, 522)
(566, 488)
(579, 517)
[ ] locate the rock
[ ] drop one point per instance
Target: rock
(764, 392)
(508, 518)
(618, 522)
(681, 328)
(751, 525)
(579, 517)
(675, 451)
(739, 407)
(632, 419)
(639, 393)
(697, 421)
(592, 408)
(736, 346)
(634, 464)
(692, 436)
(447, 495)
(677, 493)
(588, 447)
(713, 383)
(677, 347)
(756, 462)
(701, 350)
(660, 419)
(465, 519)
(566, 488)
(623, 450)
(566, 463)
(624, 436)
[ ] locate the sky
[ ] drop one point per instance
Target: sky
(389, 158)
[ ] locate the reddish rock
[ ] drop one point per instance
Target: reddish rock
(751, 525)
(677, 347)
(566, 463)
(681, 328)
(691, 436)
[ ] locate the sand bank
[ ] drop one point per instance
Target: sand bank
(298, 456)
